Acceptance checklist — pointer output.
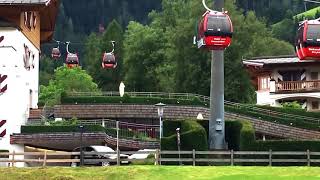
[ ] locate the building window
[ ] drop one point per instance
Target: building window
(264, 83)
(315, 104)
(314, 75)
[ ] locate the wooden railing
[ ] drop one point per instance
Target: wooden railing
(288, 86)
(267, 158)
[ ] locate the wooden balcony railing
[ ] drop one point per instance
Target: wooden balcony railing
(297, 86)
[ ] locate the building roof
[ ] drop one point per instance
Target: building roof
(20, 2)
(48, 10)
(262, 61)
(5, 23)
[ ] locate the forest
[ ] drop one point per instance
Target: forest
(154, 42)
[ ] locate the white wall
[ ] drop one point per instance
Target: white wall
(15, 102)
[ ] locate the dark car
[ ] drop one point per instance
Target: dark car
(104, 153)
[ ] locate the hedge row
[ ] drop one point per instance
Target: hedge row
(295, 122)
(125, 133)
(248, 142)
(299, 112)
(129, 100)
(232, 131)
(55, 129)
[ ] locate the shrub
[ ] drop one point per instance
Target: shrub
(292, 105)
(232, 134)
(193, 136)
(247, 136)
(170, 127)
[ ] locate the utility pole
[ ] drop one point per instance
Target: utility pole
(216, 123)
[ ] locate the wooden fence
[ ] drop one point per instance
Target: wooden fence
(266, 158)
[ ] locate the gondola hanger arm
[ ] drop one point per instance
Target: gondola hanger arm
(113, 42)
(68, 42)
(207, 8)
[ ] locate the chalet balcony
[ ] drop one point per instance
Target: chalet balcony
(297, 86)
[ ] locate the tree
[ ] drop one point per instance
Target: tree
(160, 56)
(95, 46)
(66, 80)
(143, 52)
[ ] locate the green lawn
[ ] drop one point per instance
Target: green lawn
(164, 172)
(310, 12)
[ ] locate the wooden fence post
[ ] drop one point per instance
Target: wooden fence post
(12, 160)
(157, 157)
(308, 157)
(44, 159)
(270, 157)
(193, 157)
(232, 157)
(160, 157)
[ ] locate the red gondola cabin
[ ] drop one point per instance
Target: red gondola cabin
(72, 60)
(55, 54)
(308, 40)
(214, 31)
(109, 61)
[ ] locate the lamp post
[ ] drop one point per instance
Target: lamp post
(160, 107)
(178, 143)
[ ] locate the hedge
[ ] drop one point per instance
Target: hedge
(232, 131)
(295, 122)
(125, 133)
(248, 142)
(193, 136)
(195, 101)
(170, 127)
(55, 129)
(129, 100)
(299, 112)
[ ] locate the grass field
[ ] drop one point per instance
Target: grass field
(163, 172)
(310, 12)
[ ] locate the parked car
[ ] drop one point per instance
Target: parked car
(104, 153)
(141, 156)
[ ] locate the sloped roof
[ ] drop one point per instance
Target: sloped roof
(20, 2)
(261, 61)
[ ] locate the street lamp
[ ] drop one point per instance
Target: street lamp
(160, 107)
(178, 143)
